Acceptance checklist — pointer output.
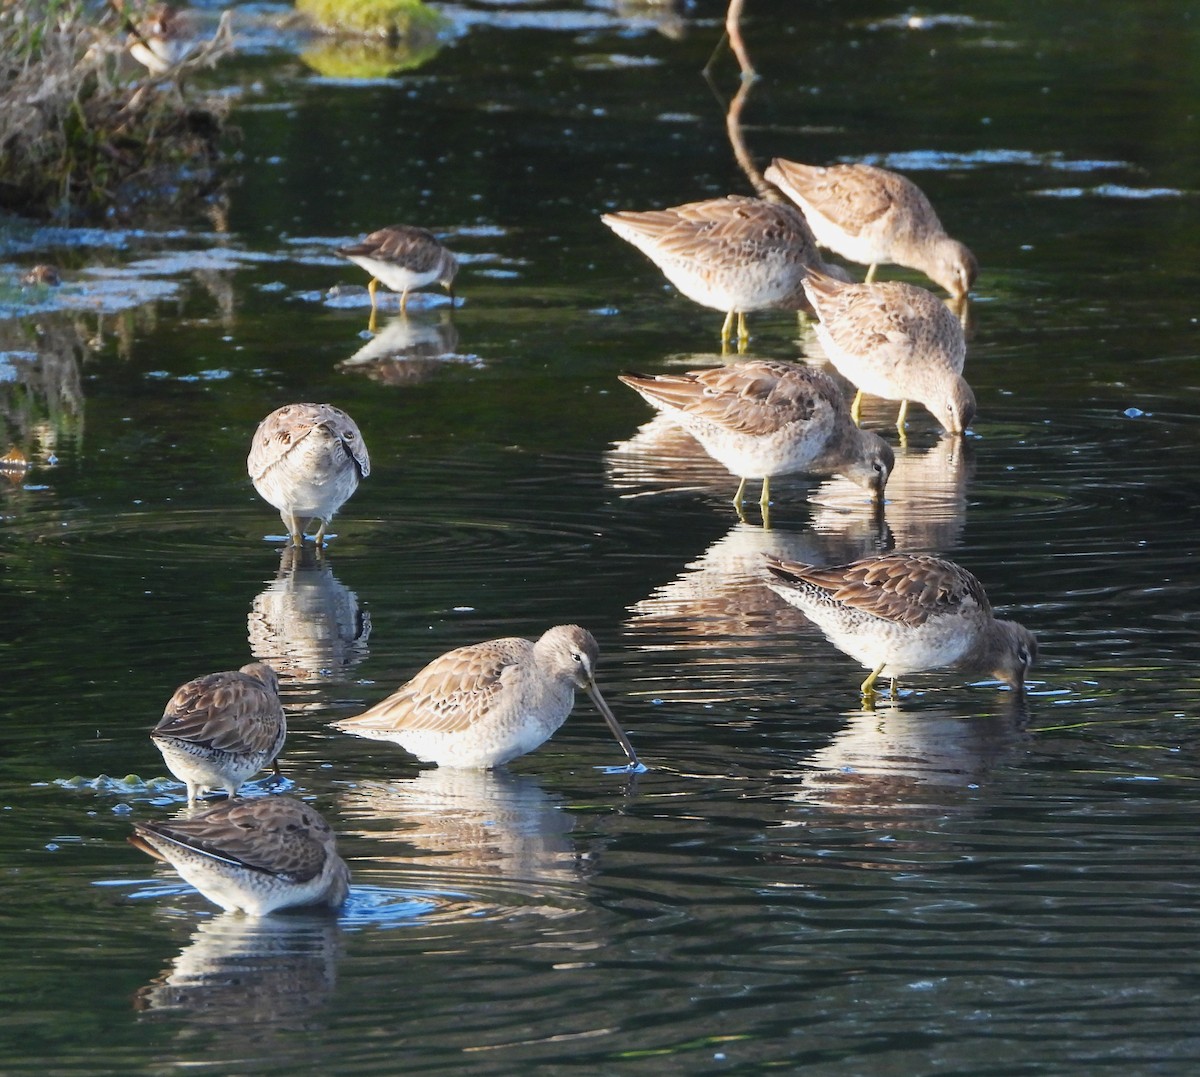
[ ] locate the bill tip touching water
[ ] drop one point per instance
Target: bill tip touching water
(873, 216)
(404, 257)
(219, 730)
(766, 418)
(306, 460)
(487, 703)
(897, 341)
(901, 613)
(254, 856)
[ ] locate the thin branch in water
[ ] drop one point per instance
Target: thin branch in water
(733, 28)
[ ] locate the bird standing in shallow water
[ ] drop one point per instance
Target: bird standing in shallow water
(763, 418)
(403, 257)
(219, 730)
(482, 705)
(872, 216)
(732, 254)
(253, 856)
(896, 341)
(904, 613)
(306, 460)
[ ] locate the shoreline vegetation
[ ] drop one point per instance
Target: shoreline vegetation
(84, 141)
(87, 136)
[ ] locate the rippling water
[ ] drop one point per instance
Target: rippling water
(958, 881)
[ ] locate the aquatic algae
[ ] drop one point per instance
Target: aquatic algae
(382, 18)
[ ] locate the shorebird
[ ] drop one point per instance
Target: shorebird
(403, 257)
(897, 341)
(167, 37)
(732, 254)
(763, 418)
(44, 274)
(253, 856)
(872, 216)
(306, 460)
(905, 613)
(485, 704)
(164, 38)
(219, 730)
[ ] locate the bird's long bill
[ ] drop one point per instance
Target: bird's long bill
(613, 724)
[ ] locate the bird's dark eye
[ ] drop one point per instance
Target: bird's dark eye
(576, 656)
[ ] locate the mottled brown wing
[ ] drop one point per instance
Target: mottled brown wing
(867, 318)
(757, 397)
(906, 588)
(743, 225)
(450, 694)
(276, 435)
(347, 430)
(417, 249)
(278, 835)
(225, 711)
(719, 229)
(853, 196)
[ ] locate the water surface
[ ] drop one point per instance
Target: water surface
(960, 881)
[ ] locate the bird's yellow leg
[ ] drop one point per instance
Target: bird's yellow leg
(870, 277)
(856, 408)
(320, 536)
(764, 504)
(371, 323)
(743, 332)
(868, 686)
(902, 415)
(404, 301)
(293, 529)
(726, 326)
(737, 498)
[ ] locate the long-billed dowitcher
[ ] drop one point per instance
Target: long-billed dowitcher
(897, 341)
(905, 613)
(873, 216)
(763, 418)
(403, 257)
(219, 730)
(732, 254)
(484, 704)
(306, 460)
(253, 856)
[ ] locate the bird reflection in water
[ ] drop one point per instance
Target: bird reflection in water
(306, 624)
(926, 497)
(671, 18)
(248, 976)
(41, 395)
(408, 350)
(886, 765)
(719, 596)
(661, 457)
(490, 833)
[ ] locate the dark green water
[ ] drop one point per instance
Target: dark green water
(956, 884)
